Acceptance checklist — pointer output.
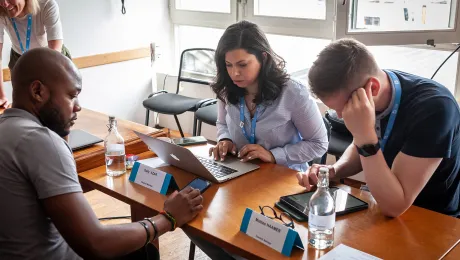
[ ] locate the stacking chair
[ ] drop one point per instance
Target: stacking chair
(322, 159)
(341, 138)
(207, 113)
(196, 66)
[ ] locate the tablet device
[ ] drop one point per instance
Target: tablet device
(344, 202)
(299, 217)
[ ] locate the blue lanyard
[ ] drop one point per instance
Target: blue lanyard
(394, 110)
(252, 137)
(29, 28)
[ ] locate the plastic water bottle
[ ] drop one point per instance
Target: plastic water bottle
(321, 215)
(115, 157)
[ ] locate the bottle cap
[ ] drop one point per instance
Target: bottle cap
(324, 170)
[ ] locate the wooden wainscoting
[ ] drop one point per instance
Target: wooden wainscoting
(100, 59)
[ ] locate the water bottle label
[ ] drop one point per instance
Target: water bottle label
(115, 148)
(321, 222)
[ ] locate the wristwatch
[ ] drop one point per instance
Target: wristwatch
(368, 149)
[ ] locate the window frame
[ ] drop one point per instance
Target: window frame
(334, 27)
(303, 27)
(203, 19)
(395, 37)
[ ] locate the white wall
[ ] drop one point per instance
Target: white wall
(94, 27)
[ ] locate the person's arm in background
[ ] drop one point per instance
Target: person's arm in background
(55, 45)
(53, 26)
(3, 100)
(225, 143)
(307, 119)
(348, 164)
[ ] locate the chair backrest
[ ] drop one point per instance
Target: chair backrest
(337, 124)
(197, 66)
(322, 159)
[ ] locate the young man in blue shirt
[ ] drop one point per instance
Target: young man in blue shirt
(406, 130)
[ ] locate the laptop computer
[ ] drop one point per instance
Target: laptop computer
(205, 167)
(79, 139)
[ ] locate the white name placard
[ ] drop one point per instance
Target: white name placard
(152, 178)
(269, 232)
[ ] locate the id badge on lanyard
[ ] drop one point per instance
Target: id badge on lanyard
(251, 138)
(394, 110)
(29, 29)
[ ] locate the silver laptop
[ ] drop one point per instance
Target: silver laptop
(205, 167)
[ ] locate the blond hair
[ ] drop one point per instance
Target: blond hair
(32, 7)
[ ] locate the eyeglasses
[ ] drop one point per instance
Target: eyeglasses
(284, 217)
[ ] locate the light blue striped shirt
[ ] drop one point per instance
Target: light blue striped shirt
(291, 127)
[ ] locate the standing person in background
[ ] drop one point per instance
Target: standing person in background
(30, 24)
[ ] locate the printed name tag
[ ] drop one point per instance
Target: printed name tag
(271, 233)
(152, 178)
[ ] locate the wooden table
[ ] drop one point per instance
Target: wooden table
(96, 123)
(453, 254)
(417, 234)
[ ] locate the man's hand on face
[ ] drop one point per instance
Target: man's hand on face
(359, 116)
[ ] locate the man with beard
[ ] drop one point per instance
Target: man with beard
(44, 213)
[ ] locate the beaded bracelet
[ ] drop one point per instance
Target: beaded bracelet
(170, 218)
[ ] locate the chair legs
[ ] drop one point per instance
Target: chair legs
(178, 125)
(195, 120)
(147, 116)
(191, 254)
(200, 123)
(197, 126)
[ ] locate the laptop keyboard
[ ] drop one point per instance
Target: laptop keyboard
(216, 169)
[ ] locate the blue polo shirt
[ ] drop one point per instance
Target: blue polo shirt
(428, 126)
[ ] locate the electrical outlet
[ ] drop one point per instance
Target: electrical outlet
(154, 52)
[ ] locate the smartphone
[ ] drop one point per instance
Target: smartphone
(184, 141)
(199, 184)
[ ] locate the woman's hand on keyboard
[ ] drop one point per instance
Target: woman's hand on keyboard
(254, 151)
(222, 149)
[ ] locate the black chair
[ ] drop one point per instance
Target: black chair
(322, 159)
(196, 66)
(207, 113)
(341, 138)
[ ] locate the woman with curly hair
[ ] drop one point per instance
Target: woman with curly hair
(262, 113)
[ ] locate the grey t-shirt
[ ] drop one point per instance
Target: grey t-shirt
(35, 164)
